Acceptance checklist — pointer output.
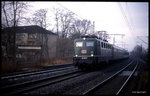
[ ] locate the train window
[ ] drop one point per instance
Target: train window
(79, 44)
(102, 44)
(90, 43)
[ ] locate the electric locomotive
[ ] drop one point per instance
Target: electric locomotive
(91, 51)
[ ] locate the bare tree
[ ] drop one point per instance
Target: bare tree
(12, 13)
(40, 18)
(57, 13)
(80, 27)
(63, 26)
(4, 16)
(86, 25)
(64, 20)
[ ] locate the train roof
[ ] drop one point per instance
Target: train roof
(96, 38)
(92, 36)
(89, 36)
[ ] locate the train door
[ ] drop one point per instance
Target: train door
(98, 48)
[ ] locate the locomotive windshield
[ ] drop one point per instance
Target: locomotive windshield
(90, 43)
(79, 44)
(87, 44)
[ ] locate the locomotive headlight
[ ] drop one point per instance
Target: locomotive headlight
(84, 38)
(92, 55)
(76, 55)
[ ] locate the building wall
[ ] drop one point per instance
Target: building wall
(24, 39)
(21, 38)
(52, 45)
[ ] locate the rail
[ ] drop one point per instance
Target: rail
(91, 90)
(125, 83)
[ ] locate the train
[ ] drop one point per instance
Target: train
(91, 52)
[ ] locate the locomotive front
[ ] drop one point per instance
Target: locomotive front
(84, 52)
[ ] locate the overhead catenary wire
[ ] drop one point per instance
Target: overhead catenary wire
(142, 40)
(126, 19)
(130, 17)
(132, 24)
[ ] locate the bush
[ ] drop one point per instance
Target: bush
(7, 67)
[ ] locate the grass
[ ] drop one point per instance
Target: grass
(57, 61)
(143, 83)
(9, 67)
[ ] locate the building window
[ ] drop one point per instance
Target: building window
(32, 36)
(20, 36)
(32, 42)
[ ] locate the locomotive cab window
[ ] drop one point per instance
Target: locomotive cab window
(79, 44)
(90, 43)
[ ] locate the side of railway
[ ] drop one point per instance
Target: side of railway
(94, 89)
(109, 80)
(16, 84)
(46, 69)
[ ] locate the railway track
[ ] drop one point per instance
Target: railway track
(65, 74)
(80, 82)
(49, 69)
(127, 80)
(26, 85)
(21, 78)
(107, 83)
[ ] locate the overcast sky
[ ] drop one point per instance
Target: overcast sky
(129, 18)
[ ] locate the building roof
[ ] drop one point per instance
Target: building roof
(29, 29)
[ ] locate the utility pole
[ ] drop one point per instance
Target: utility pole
(93, 26)
(102, 35)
